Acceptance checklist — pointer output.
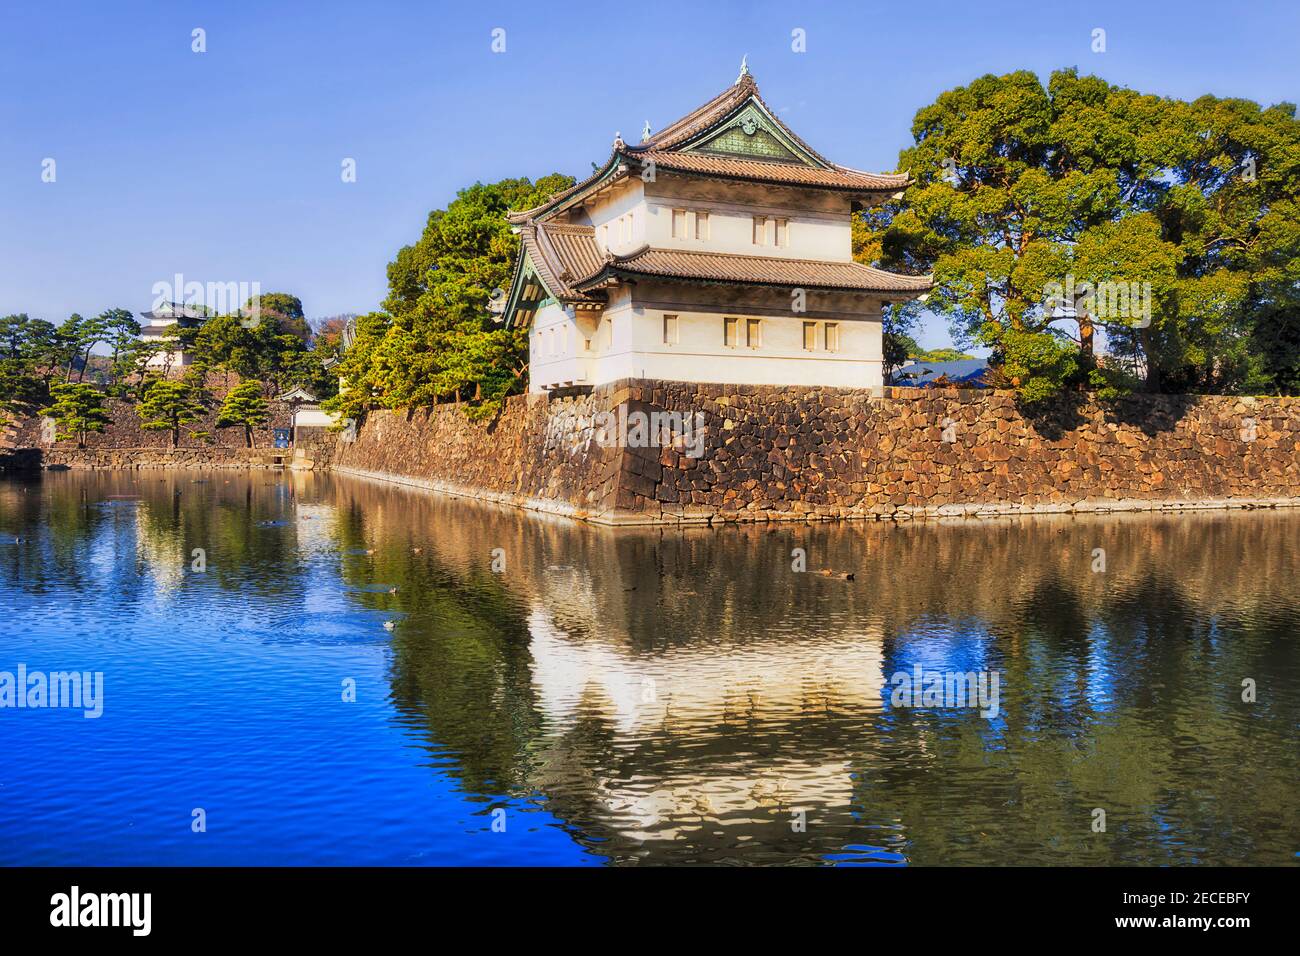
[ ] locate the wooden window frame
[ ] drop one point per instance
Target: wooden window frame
(685, 230)
(831, 336)
(672, 328)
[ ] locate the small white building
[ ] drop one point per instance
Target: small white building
(162, 327)
(717, 250)
(307, 412)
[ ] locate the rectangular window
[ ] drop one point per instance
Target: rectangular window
(753, 333)
(701, 225)
(832, 336)
(782, 232)
(810, 335)
(730, 329)
(586, 345)
(679, 223)
(670, 330)
(760, 230)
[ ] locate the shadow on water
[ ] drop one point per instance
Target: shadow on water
(685, 696)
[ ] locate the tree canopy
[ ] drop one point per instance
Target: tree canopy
(275, 348)
(168, 404)
(78, 408)
(244, 405)
(434, 341)
(1173, 226)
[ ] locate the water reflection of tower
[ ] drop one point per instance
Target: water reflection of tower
(729, 737)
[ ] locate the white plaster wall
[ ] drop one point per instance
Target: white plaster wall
(627, 339)
(637, 350)
(167, 360)
(606, 209)
(731, 230)
(819, 223)
(557, 352)
(312, 418)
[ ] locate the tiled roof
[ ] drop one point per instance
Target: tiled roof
(174, 310)
(665, 149)
(729, 167)
(527, 215)
(574, 248)
(700, 119)
(755, 270)
(562, 254)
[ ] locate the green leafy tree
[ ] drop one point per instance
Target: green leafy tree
(28, 361)
(78, 408)
(244, 405)
(360, 385)
(270, 341)
(122, 335)
(284, 310)
(69, 340)
(169, 404)
(1023, 190)
(439, 344)
(92, 332)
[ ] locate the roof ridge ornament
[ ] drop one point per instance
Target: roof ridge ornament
(744, 70)
(618, 141)
(645, 132)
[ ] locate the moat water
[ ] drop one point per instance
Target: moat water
(555, 693)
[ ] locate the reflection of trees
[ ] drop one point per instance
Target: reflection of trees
(75, 527)
(460, 658)
(1119, 690)
(674, 695)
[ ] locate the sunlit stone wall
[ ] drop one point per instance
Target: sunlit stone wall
(772, 453)
(124, 430)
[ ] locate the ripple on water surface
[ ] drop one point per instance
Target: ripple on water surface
(346, 680)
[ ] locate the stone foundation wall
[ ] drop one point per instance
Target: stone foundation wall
(125, 430)
(771, 453)
(538, 453)
(313, 448)
(124, 444)
(135, 458)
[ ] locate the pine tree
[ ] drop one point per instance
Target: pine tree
(244, 405)
(167, 405)
(78, 408)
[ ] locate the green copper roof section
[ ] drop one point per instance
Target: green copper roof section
(751, 132)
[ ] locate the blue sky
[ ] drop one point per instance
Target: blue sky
(225, 166)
